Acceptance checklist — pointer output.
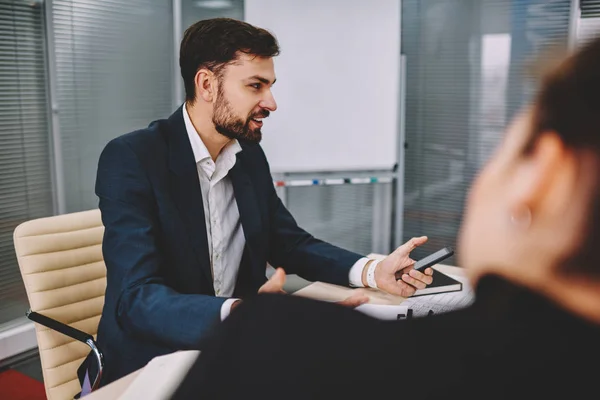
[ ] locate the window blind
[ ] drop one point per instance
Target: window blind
(465, 82)
(589, 23)
(590, 8)
(25, 181)
(114, 67)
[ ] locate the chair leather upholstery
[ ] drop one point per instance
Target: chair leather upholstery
(60, 259)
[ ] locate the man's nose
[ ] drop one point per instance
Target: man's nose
(269, 102)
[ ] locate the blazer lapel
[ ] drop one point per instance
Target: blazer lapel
(185, 188)
(250, 216)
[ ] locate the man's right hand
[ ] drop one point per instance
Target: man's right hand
(275, 283)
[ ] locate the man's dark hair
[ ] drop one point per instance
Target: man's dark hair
(568, 103)
(215, 43)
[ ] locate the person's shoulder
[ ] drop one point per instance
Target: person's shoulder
(144, 142)
(151, 136)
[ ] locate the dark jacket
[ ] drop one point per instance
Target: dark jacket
(159, 295)
(510, 344)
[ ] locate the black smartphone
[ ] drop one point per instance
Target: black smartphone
(431, 259)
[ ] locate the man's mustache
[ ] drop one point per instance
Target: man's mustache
(261, 114)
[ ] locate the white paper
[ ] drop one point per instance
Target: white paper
(442, 302)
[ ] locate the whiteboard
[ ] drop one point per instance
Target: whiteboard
(337, 86)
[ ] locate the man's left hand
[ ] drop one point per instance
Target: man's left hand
(399, 262)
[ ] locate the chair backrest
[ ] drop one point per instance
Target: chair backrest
(61, 263)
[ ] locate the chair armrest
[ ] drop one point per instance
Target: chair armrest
(59, 327)
(75, 334)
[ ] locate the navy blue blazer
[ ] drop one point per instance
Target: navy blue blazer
(159, 294)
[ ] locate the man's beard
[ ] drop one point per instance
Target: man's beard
(228, 124)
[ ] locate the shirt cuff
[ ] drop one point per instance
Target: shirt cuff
(226, 308)
(355, 276)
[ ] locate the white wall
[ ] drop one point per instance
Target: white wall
(337, 83)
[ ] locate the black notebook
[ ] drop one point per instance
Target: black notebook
(442, 283)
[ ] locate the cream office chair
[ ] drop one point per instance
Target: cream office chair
(61, 263)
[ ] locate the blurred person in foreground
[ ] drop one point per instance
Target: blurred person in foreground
(530, 244)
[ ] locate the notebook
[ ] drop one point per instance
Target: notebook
(422, 306)
(442, 283)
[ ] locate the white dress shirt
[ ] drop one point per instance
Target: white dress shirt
(224, 230)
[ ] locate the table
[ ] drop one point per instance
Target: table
(315, 290)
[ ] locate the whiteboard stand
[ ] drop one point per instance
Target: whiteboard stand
(399, 182)
(382, 196)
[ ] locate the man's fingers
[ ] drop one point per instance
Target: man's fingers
(278, 277)
(400, 288)
(412, 244)
(416, 242)
(425, 278)
(275, 283)
(405, 289)
(413, 282)
(355, 300)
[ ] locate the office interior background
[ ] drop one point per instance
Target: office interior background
(76, 73)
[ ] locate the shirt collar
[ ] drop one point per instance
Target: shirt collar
(198, 146)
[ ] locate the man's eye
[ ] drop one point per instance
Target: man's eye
(255, 85)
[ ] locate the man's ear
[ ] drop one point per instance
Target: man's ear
(545, 176)
(206, 85)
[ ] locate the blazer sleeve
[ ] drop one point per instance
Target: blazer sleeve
(145, 305)
(297, 251)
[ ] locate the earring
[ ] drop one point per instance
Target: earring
(521, 217)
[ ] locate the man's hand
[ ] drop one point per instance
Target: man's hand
(275, 283)
(399, 260)
(357, 298)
